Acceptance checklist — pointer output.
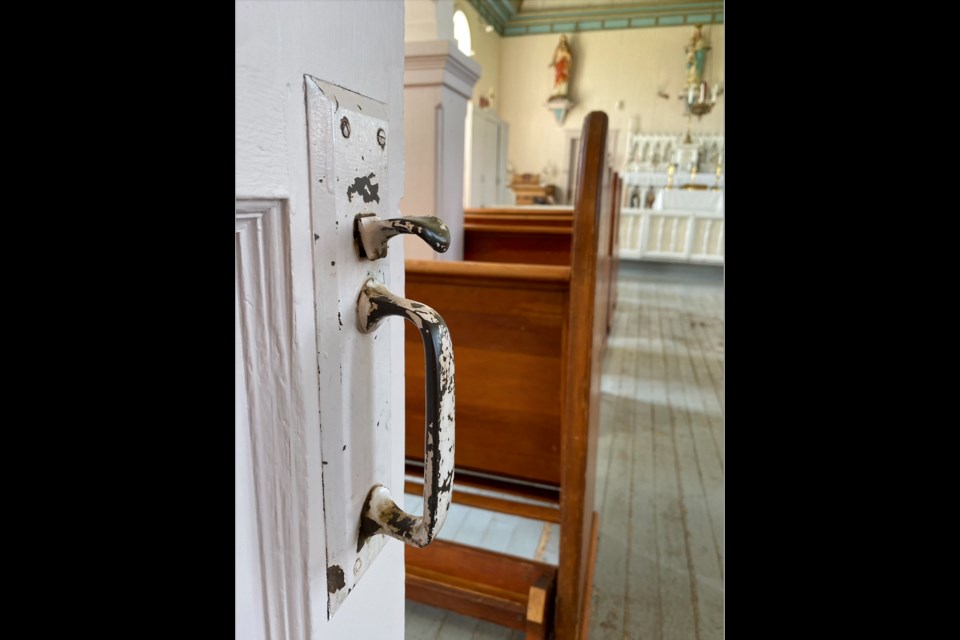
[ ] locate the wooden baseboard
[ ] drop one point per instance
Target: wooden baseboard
(588, 587)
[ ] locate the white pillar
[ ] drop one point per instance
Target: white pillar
(437, 84)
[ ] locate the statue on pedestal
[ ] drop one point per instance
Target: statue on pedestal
(696, 56)
(561, 63)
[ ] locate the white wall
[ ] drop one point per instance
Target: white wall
(276, 43)
(428, 20)
(627, 64)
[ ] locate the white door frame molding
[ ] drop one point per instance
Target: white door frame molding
(266, 339)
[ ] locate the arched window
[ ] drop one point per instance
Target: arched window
(461, 32)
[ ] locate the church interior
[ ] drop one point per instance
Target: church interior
(548, 405)
(538, 68)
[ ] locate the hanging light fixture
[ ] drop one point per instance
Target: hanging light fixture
(698, 96)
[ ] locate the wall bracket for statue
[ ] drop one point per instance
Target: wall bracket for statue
(560, 106)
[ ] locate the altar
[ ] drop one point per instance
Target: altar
(689, 200)
(672, 224)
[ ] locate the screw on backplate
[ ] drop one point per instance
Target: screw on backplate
(345, 127)
(381, 138)
(356, 566)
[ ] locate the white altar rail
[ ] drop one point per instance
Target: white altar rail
(671, 235)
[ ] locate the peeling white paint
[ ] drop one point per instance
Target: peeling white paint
(385, 516)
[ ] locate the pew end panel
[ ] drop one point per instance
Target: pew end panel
(507, 323)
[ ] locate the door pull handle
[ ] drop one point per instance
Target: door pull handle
(380, 514)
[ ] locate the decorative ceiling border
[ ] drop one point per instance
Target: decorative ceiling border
(503, 15)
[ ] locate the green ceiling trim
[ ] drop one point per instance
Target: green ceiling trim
(505, 13)
(483, 7)
(583, 12)
(670, 20)
(502, 14)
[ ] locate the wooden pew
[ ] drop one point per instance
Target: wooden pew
(528, 235)
(517, 243)
(528, 341)
(560, 220)
(531, 210)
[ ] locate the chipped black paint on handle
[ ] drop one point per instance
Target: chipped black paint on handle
(380, 513)
(373, 233)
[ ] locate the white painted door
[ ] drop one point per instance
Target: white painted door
(486, 167)
(319, 405)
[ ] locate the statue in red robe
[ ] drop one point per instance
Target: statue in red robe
(562, 62)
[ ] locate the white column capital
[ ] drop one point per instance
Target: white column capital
(439, 63)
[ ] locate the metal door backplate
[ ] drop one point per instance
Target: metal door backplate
(348, 135)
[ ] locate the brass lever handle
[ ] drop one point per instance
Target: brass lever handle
(380, 513)
(373, 233)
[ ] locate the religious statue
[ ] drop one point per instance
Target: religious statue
(696, 56)
(562, 63)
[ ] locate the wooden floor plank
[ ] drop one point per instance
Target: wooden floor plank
(678, 621)
(489, 631)
(422, 622)
(525, 538)
(708, 460)
(709, 330)
(455, 518)
(642, 611)
(612, 389)
(710, 397)
(499, 532)
(700, 543)
(607, 599)
(458, 627)
(473, 527)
